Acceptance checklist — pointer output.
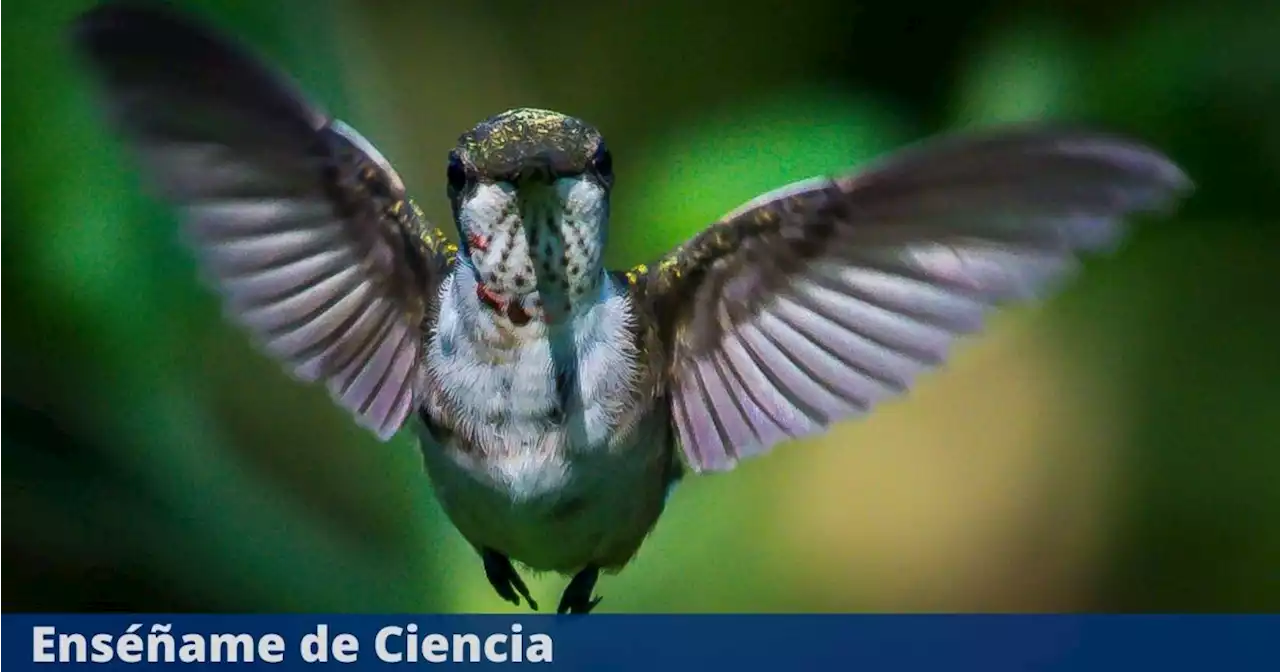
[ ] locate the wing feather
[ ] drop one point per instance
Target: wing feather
(813, 303)
(299, 223)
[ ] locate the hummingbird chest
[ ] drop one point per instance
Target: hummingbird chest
(544, 449)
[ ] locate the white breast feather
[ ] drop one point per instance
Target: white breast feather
(507, 398)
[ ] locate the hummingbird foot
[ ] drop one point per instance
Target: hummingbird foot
(505, 579)
(577, 597)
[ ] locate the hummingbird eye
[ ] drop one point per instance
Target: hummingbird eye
(456, 173)
(603, 161)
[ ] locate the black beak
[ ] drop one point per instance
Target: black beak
(537, 168)
(544, 167)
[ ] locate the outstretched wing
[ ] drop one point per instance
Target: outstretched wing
(303, 227)
(810, 304)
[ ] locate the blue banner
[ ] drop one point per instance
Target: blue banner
(669, 643)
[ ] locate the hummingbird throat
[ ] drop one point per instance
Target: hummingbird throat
(540, 257)
(513, 310)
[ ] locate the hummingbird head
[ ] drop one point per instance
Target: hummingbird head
(530, 195)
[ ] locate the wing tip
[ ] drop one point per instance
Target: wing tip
(1123, 149)
(131, 43)
(1162, 174)
(1167, 181)
(134, 24)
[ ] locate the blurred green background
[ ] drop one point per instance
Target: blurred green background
(1115, 449)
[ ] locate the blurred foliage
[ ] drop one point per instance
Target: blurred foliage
(1114, 449)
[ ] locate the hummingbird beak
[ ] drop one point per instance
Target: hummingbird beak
(540, 169)
(538, 173)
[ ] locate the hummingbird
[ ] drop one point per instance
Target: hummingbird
(556, 401)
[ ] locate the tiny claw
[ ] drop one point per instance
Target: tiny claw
(523, 590)
(577, 608)
(505, 579)
(577, 597)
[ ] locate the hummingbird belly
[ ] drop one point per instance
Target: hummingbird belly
(554, 509)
